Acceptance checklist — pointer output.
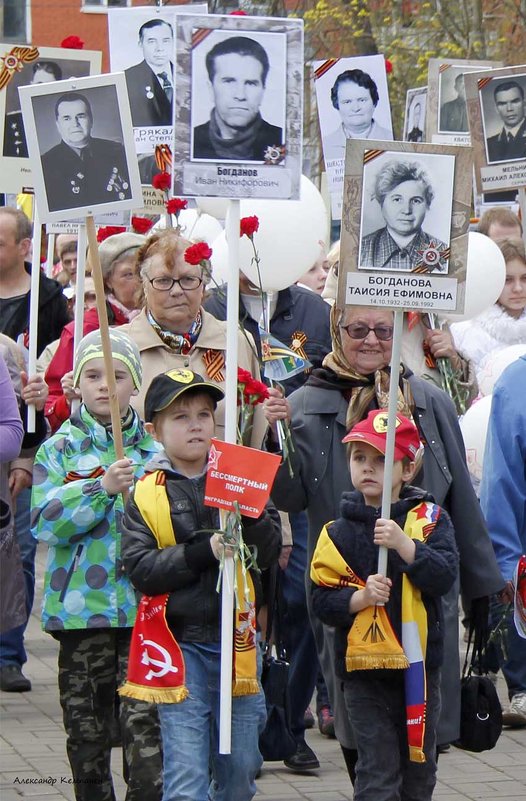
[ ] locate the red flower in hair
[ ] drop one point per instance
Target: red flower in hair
(248, 226)
(175, 205)
(196, 254)
(109, 230)
(162, 181)
(72, 43)
(238, 13)
(141, 225)
(388, 66)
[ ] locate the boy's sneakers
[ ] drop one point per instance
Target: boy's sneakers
(326, 721)
(308, 718)
(12, 680)
(303, 760)
(515, 715)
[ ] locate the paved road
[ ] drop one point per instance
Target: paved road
(33, 763)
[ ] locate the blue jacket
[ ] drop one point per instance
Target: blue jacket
(503, 488)
(84, 583)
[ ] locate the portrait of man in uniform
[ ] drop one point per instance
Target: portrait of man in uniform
(151, 82)
(15, 144)
(237, 69)
(82, 170)
(454, 113)
(404, 194)
(509, 144)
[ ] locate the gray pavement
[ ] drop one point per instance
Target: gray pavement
(33, 762)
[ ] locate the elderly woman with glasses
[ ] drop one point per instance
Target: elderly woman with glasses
(353, 380)
(174, 331)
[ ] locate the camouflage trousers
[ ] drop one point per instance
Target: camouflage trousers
(92, 664)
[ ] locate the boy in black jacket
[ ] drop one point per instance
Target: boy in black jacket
(388, 644)
(171, 550)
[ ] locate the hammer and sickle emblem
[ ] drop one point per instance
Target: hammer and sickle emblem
(165, 666)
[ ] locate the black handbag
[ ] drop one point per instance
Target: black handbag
(276, 741)
(480, 709)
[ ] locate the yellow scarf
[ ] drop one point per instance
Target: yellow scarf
(152, 502)
(371, 641)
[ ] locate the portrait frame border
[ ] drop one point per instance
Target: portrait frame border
(16, 171)
(293, 29)
(433, 96)
(351, 235)
(410, 94)
(507, 179)
(116, 80)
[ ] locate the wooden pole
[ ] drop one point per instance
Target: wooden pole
(79, 296)
(33, 310)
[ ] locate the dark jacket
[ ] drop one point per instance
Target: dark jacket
(499, 149)
(268, 136)
(297, 310)
(189, 570)
(433, 571)
(148, 101)
(52, 314)
(101, 177)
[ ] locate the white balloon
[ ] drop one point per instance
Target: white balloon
(287, 241)
(198, 226)
(485, 277)
(214, 206)
(474, 427)
(495, 364)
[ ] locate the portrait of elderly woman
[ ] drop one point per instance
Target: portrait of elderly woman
(404, 194)
(355, 95)
(173, 330)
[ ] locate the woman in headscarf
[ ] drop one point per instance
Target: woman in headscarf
(353, 380)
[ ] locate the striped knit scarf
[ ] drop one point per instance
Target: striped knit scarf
(371, 641)
(156, 670)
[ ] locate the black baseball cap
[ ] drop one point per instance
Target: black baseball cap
(165, 388)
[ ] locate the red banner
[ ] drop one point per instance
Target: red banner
(239, 475)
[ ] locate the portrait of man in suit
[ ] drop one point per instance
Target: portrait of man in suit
(15, 144)
(151, 82)
(237, 70)
(454, 113)
(82, 170)
(404, 193)
(416, 133)
(509, 144)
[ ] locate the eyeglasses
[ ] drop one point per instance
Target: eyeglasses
(360, 331)
(186, 282)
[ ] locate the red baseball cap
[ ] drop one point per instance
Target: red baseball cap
(373, 430)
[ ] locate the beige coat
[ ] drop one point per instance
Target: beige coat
(157, 358)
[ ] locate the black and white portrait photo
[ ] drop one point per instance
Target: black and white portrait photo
(453, 113)
(81, 131)
(51, 64)
(151, 82)
(503, 107)
(406, 212)
(415, 115)
(243, 116)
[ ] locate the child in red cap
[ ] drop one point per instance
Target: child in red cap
(388, 629)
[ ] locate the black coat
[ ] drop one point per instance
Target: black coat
(189, 569)
(268, 135)
(148, 101)
(297, 310)
(433, 571)
(499, 149)
(100, 178)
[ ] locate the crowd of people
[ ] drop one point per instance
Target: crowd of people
(120, 528)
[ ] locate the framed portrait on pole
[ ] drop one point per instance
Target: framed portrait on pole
(80, 141)
(497, 111)
(238, 107)
(26, 65)
(447, 119)
(353, 103)
(406, 211)
(415, 115)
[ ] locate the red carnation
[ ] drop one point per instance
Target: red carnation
(109, 230)
(388, 66)
(162, 181)
(243, 376)
(195, 254)
(175, 205)
(238, 13)
(72, 43)
(141, 225)
(248, 226)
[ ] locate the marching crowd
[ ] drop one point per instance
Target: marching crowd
(379, 651)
